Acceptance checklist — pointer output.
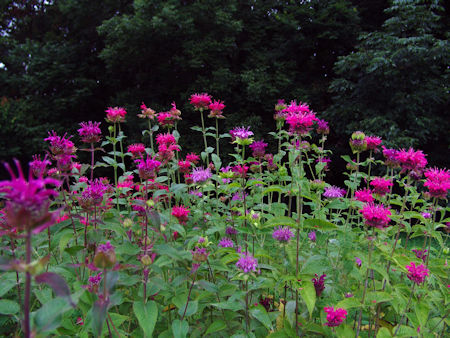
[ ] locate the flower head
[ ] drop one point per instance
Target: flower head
(200, 101)
(300, 123)
(247, 263)
(334, 192)
(312, 236)
(283, 234)
(148, 168)
(358, 142)
(390, 156)
(411, 159)
(241, 133)
(181, 213)
(93, 194)
(376, 215)
(116, 114)
(146, 112)
(226, 243)
(437, 182)
(105, 256)
(200, 175)
(358, 261)
(334, 316)
(258, 148)
(322, 127)
(230, 231)
(381, 186)
(28, 201)
(216, 109)
(373, 142)
(319, 284)
(421, 254)
(137, 150)
(364, 195)
(38, 166)
(60, 145)
(193, 158)
(90, 132)
(417, 274)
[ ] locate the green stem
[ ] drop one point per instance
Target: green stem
(406, 309)
(204, 137)
(151, 136)
(217, 138)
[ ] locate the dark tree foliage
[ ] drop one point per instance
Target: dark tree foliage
(395, 84)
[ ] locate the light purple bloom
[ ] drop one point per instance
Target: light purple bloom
(247, 263)
(240, 132)
(312, 236)
(426, 215)
(258, 148)
(200, 175)
(334, 192)
(196, 193)
(231, 231)
(239, 196)
(283, 234)
(226, 243)
(358, 261)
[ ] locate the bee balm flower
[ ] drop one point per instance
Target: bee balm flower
(335, 317)
(417, 274)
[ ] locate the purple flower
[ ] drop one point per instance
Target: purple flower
(90, 132)
(241, 132)
(426, 215)
(322, 127)
(38, 166)
(312, 236)
(28, 202)
(258, 148)
(358, 261)
(283, 235)
(334, 192)
(196, 193)
(420, 254)
(226, 243)
(148, 168)
(247, 263)
(319, 284)
(93, 194)
(231, 231)
(94, 282)
(60, 145)
(200, 175)
(107, 247)
(239, 196)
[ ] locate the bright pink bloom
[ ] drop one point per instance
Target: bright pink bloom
(200, 101)
(181, 213)
(28, 202)
(417, 274)
(240, 170)
(184, 166)
(437, 182)
(116, 114)
(300, 123)
(62, 218)
(90, 132)
(166, 147)
(60, 145)
(247, 263)
(193, 158)
(319, 284)
(376, 215)
(166, 119)
(295, 108)
(381, 186)
(373, 142)
(38, 166)
(166, 139)
(146, 112)
(148, 168)
(364, 195)
(136, 150)
(258, 148)
(334, 317)
(175, 112)
(411, 159)
(216, 109)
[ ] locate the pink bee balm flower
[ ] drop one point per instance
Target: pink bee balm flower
(381, 186)
(60, 145)
(226, 243)
(148, 168)
(146, 112)
(165, 119)
(373, 142)
(283, 234)
(200, 175)
(116, 114)
(90, 132)
(334, 192)
(38, 166)
(166, 139)
(181, 213)
(322, 127)
(247, 263)
(200, 101)
(417, 274)
(184, 166)
(319, 284)
(390, 156)
(312, 236)
(258, 148)
(193, 158)
(241, 133)
(137, 150)
(93, 194)
(411, 159)
(421, 254)
(437, 182)
(216, 109)
(334, 317)
(364, 195)
(28, 201)
(295, 108)
(300, 123)
(376, 215)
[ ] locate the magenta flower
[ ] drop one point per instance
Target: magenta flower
(358, 261)
(295, 108)
(193, 158)
(60, 145)
(148, 168)
(94, 283)
(105, 256)
(381, 186)
(146, 112)
(136, 150)
(200, 101)
(116, 114)
(312, 236)
(28, 202)
(230, 231)
(216, 109)
(241, 133)
(300, 123)
(239, 196)
(200, 175)
(364, 195)
(373, 142)
(181, 213)
(38, 166)
(322, 127)
(420, 254)
(247, 263)
(319, 284)
(92, 196)
(334, 192)
(437, 182)
(283, 235)
(226, 243)
(258, 148)
(325, 160)
(417, 274)
(411, 159)
(376, 215)
(166, 119)
(199, 254)
(334, 317)
(184, 166)
(90, 132)
(390, 156)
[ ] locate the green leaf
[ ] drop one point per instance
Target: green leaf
(146, 315)
(308, 293)
(8, 307)
(260, 313)
(319, 224)
(216, 326)
(109, 160)
(349, 303)
(180, 329)
(216, 160)
(191, 308)
(281, 220)
(7, 282)
(64, 240)
(49, 316)
(422, 311)
(384, 333)
(273, 188)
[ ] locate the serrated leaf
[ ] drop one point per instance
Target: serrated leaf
(319, 224)
(281, 220)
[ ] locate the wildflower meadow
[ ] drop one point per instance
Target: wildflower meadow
(176, 244)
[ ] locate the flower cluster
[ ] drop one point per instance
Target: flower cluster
(437, 182)
(226, 243)
(411, 159)
(319, 284)
(373, 142)
(247, 263)
(258, 148)
(115, 115)
(90, 132)
(300, 123)
(137, 150)
(376, 215)
(364, 195)
(334, 192)
(418, 273)
(216, 109)
(335, 317)
(283, 234)
(200, 101)
(146, 113)
(381, 186)
(200, 175)
(181, 213)
(148, 168)
(92, 196)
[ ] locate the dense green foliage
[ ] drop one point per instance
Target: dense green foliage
(61, 64)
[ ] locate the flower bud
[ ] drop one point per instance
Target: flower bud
(127, 223)
(105, 256)
(358, 142)
(146, 260)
